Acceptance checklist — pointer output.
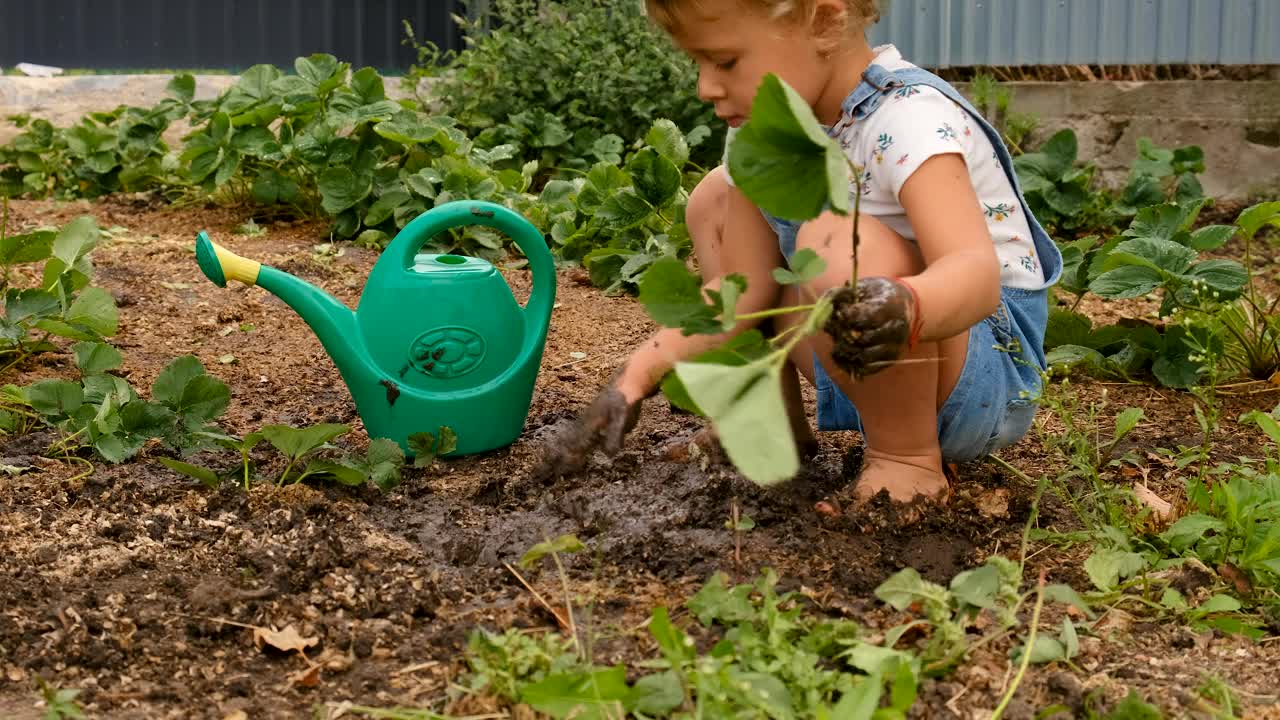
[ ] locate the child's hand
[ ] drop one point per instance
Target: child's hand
(602, 425)
(872, 328)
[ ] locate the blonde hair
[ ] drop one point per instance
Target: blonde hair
(859, 13)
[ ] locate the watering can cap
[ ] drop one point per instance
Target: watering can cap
(433, 263)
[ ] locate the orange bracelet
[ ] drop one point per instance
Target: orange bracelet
(917, 321)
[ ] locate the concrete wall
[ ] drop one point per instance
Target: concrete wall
(1237, 123)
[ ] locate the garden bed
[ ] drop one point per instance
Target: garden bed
(140, 587)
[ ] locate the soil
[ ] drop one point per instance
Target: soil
(141, 588)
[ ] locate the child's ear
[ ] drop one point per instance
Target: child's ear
(829, 24)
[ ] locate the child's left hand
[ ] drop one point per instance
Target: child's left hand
(873, 328)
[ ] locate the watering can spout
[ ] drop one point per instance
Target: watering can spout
(332, 321)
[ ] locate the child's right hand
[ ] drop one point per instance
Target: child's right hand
(603, 425)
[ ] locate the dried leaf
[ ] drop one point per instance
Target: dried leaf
(307, 677)
(1236, 577)
(993, 503)
(1161, 507)
(286, 640)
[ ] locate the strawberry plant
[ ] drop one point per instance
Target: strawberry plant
(786, 164)
(1062, 197)
(104, 413)
(118, 150)
(1211, 308)
(63, 304)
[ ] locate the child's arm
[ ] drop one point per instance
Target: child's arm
(961, 282)
(749, 248)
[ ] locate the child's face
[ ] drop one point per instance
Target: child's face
(735, 44)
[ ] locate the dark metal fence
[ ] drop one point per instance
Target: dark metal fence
(227, 34)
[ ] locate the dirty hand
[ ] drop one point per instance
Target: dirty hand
(602, 425)
(874, 326)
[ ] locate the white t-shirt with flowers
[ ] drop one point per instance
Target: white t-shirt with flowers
(912, 125)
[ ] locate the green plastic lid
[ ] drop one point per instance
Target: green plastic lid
(434, 263)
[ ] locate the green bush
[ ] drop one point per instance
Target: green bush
(561, 74)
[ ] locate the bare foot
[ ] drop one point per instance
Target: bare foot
(708, 444)
(905, 479)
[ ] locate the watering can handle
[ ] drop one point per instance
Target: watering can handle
(460, 213)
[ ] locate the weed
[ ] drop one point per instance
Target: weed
(59, 704)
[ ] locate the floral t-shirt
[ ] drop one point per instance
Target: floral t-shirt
(912, 125)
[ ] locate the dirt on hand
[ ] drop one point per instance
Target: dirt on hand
(870, 324)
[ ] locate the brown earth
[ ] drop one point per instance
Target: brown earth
(137, 586)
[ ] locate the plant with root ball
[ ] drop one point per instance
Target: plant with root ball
(786, 164)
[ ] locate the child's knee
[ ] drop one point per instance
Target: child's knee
(709, 198)
(881, 250)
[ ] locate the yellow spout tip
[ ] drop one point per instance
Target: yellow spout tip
(220, 264)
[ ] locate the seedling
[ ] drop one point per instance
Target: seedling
(784, 161)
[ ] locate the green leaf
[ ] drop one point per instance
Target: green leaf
(906, 586)
(182, 87)
(676, 647)
(423, 445)
(1164, 222)
(1190, 529)
(26, 248)
(861, 702)
(562, 544)
(75, 240)
(296, 442)
(1129, 281)
(203, 474)
(657, 695)
(1224, 276)
(623, 209)
(95, 309)
(385, 459)
(1133, 708)
(716, 602)
(1217, 604)
(1211, 237)
(667, 139)
(783, 160)
(1252, 219)
(271, 187)
(1127, 420)
(146, 419)
(746, 407)
(583, 695)
(977, 587)
(23, 305)
(95, 358)
(172, 380)
(203, 398)
(806, 265)
(448, 441)
(1166, 255)
(656, 178)
(1067, 594)
(55, 398)
(100, 388)
(672, 295)
(340, 189)
(1045, 649)
(1106, 567)
(738, 350)
(1070, 640)
(345, 474)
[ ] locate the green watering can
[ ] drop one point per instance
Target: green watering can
(437, 339)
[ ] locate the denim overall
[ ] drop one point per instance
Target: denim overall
(993, 403)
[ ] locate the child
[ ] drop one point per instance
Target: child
(947, 334)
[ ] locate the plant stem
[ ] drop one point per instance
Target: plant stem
(84, 474)
(287, 468)
(857, 205)
(772, 312)
(1026, 653)
(568, 606)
